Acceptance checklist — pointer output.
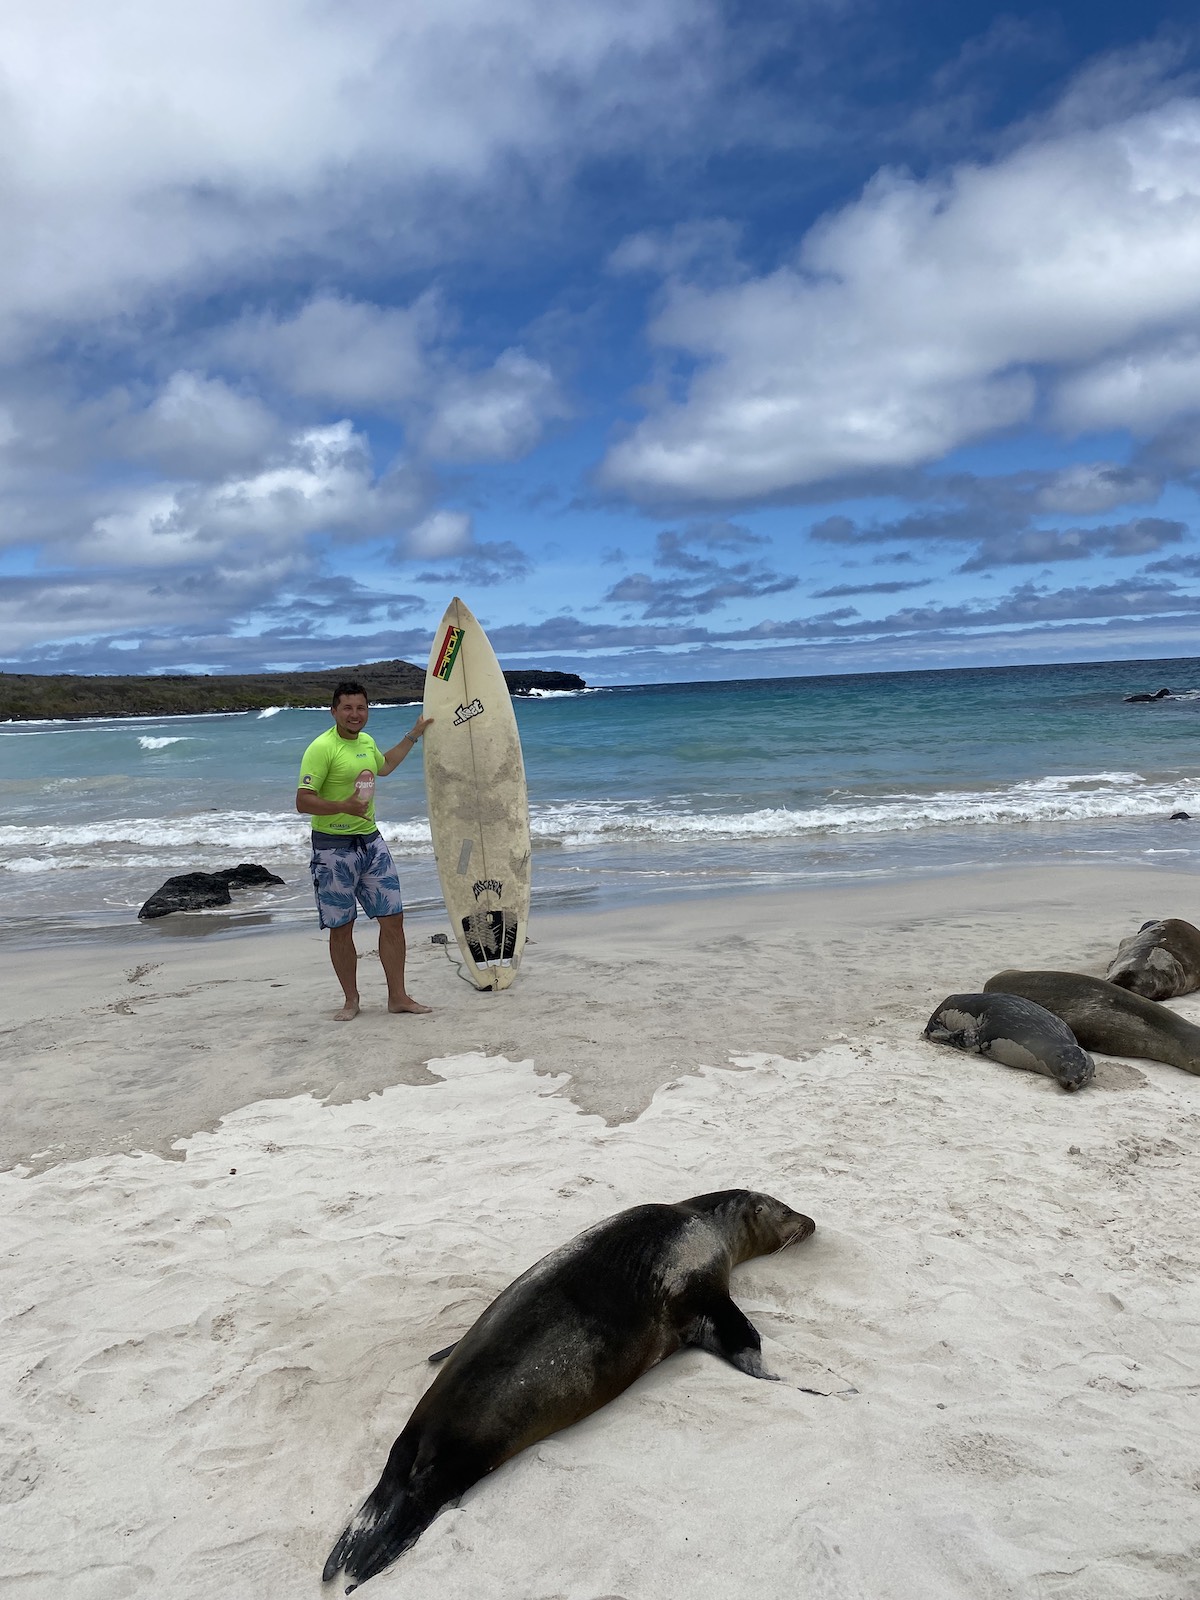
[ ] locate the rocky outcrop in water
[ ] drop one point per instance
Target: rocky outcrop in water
(527, 682)
(204, 891)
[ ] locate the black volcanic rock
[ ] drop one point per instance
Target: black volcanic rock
(203, 891)
(245, 875)
(524, 682)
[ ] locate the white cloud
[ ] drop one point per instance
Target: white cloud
(154, 147)
(443, 533)
(198, 427)
(494, 415)
(323, 482)
(1088, 488)
(686, 248)
(396, 361)
(1142, 390)
(349, 352)
(47, 609)
(925, 314)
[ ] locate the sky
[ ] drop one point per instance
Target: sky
(682, 339)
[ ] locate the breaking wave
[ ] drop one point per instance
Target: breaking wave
(210, 830)
(1101, 796)
(1085, 797)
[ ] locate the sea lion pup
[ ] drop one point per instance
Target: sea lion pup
(1159, 961)
(568, 1336)
(1014, 1031)
(1105, 1017)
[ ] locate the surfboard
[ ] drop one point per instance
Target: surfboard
(478, 805)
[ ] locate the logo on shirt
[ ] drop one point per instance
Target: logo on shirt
(443, 663)
(307, 778)
(465, 713)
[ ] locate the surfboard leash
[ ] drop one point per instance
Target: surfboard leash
(444, 940)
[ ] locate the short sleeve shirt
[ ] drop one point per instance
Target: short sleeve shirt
(330, 769)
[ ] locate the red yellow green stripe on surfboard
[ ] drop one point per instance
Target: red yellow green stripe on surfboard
(446, 656)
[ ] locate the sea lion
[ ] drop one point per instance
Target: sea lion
(561, 1341)
(1159, 961)
(1105, 1017)
(1014, 1031)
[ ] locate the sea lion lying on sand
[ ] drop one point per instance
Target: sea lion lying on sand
(1105, 1017)
(568, 1336)
(1014, 1031)
(1159, 961)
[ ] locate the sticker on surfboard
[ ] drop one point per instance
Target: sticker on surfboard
(491, 937)
(443, 664)
(465, 713)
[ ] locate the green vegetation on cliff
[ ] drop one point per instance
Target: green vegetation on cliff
(26, 696)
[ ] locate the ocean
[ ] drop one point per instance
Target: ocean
(635, 793)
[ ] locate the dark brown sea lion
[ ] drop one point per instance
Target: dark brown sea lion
(1105, 1017)
(1159, 961)
(1014, 1031)
(568, 1336)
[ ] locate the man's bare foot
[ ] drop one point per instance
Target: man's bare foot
(407, 1003)
(348, 1012)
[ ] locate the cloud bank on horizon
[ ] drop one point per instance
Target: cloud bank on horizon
(658, 330)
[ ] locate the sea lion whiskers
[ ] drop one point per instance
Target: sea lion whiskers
(802, 1231)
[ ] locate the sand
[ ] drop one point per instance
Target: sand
(233, 1230)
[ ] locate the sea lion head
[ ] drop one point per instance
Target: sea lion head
(1074, 1068)
(754, 1224)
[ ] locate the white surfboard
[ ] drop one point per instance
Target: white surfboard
(478, 806)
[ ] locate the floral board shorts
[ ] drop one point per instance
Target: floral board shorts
(355, 867)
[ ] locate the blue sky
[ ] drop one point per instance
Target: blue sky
(683, 340)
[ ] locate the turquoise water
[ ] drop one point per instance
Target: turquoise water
(637, 792)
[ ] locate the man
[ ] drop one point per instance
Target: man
(350, 862)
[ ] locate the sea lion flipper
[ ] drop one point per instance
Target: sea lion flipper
(440, 1355)
(724, 1329)
(401, 1506)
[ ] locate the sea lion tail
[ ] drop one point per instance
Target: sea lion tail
(389, 1521)
(367, 1547)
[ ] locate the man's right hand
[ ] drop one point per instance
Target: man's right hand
(354, 807)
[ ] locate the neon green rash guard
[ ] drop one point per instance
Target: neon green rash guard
(329, 769)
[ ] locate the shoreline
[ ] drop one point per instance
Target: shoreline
(253, 913)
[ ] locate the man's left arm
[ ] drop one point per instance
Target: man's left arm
(393, 757)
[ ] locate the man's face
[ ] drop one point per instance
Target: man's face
(350, 715)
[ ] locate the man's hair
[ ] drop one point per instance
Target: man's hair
(346, 687)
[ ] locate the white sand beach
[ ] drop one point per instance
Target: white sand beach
(234, 1230)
